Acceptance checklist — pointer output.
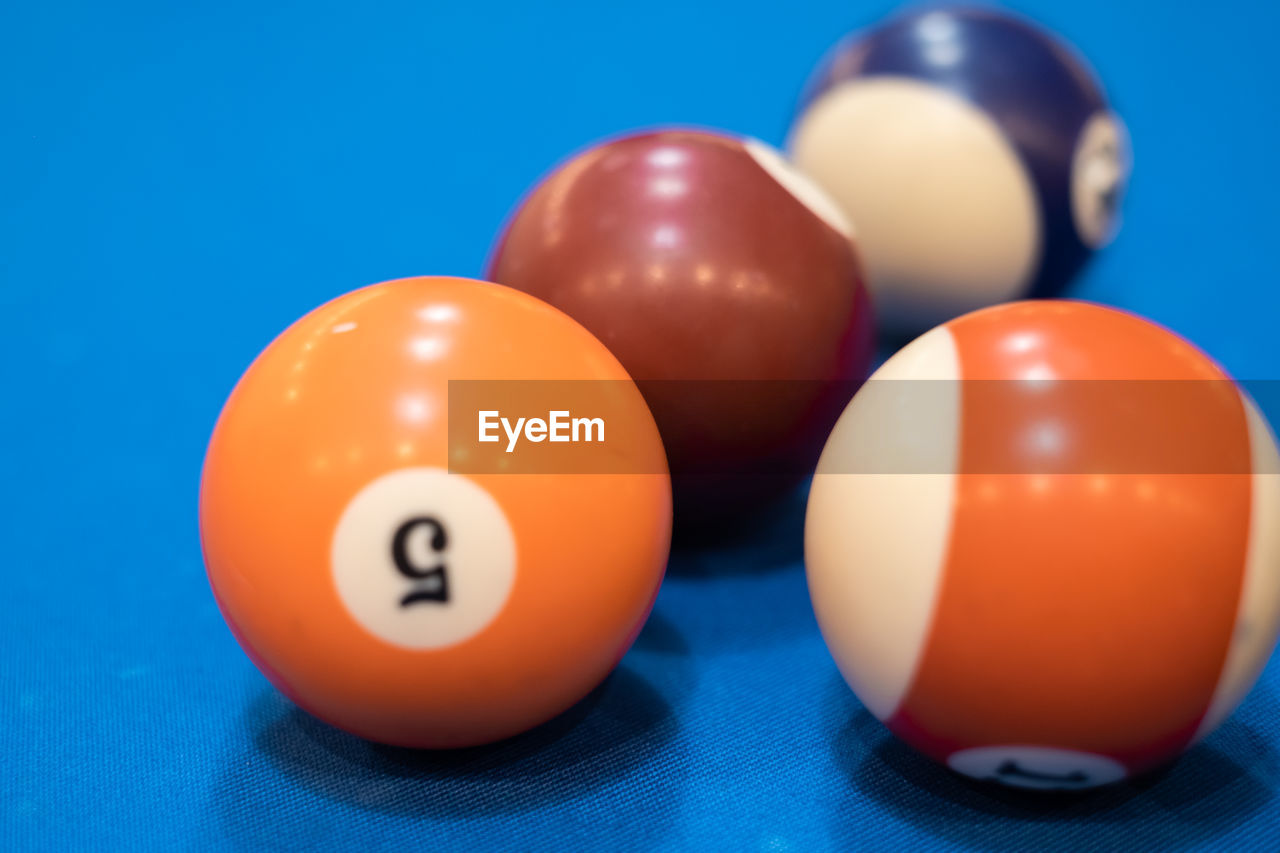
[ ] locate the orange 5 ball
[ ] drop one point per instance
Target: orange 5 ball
(383, 593)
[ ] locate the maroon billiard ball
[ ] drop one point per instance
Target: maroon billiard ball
(728, 285)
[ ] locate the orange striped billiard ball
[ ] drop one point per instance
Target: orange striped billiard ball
(383, 592)
(1043, 544)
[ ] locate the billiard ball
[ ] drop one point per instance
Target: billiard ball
(728, 286)
(385, 592)
(975, 154)
(1056, 562)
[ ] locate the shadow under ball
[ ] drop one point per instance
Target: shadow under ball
(727, 285)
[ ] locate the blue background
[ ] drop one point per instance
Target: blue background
(182, 180)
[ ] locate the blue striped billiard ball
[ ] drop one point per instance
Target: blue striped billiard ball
(975, 154)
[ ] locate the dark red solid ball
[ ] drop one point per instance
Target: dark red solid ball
(726, 283)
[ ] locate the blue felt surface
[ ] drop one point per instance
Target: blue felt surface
(181, 180)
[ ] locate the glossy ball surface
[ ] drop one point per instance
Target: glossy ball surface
(383, 593)
(974, 152)
(727, 285)
(1071, 570)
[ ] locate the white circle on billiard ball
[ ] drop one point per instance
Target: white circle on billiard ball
(800, 185)
(1040, 767)
(946, 210)
(423, 559)
(1099, 172)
